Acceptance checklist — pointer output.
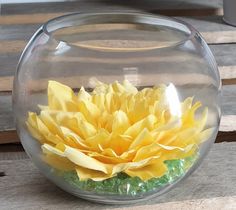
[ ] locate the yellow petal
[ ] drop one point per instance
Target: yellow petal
(147, 152)
(58, 162)
(86, 129)
(173, 123)
(129, 87)
(189, 150)
(50, 123)
(80, 143)
(83, 160)
(33, 127)
(143, 139)
(188, 118)
(108, 101)
(85, 174)
(99, 140)
(35, 133)
(99, 101)
(107, 159)
(48, 149)
(83, 95)
(184, 138)
(120, 122)
(139, 111)
(119, 143)
(105, 120)
(134, 165)
(72, 139)
(70, 120)
(135, 129)
(205, 135)
(61, 97)
(42, 107)
(187, 104)
(90, 111)
(117, 87)
(48, 135)
(202, 122)
(147, 172)
(99, 86)
(109, 152)
(76, 123)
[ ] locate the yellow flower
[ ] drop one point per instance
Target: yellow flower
(117, 128)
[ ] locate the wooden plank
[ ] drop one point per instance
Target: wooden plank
(13, 46)
(13, 35)
(6, 115)
(203, 7)
(28, 19)
(8, 64)
(212, 186)
(213, 29)
(9, 136)
(228, 100)
(6, 83)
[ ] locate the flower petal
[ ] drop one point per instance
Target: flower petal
(147, 122)
(83, 95)
(90, 111)
(120, 122)
(99, 140)
(58, 162)
(147, 172)
(85, 161)
(85, 174)
(143, 139)
(134, 165)
(129, 87)
(61, 97)
(48, 149)
(119, 143)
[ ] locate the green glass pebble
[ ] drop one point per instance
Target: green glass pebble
(122, 184)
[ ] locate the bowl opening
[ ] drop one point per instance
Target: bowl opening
(118, 31)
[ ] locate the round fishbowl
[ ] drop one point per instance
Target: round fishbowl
(116, 107)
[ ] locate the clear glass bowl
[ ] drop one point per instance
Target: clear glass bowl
(116, 107)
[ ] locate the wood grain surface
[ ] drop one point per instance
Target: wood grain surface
(212, 186)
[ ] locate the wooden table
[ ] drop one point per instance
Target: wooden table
(213, 186)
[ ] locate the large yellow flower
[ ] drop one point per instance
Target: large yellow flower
(117, 128)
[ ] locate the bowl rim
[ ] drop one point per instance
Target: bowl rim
(66, 20)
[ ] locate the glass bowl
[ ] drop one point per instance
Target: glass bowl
(116, 107)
